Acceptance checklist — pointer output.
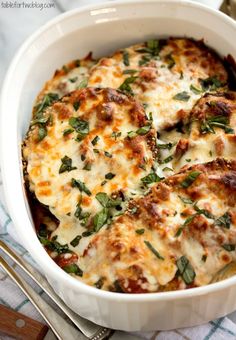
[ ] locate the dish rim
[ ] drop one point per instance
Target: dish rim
(38, 252)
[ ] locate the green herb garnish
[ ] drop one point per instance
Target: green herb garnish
(210, 83)
(82, 84)
(143, 130)
(109, 175)
(217, 121)
(182, 96)
(100, 219)
(66, 165)
(99, 283)
(191, 177)
(76, 183)
(73, 80)
(153, 250)
(186, 200)
(224, 220)
(75, 241)
(229, 247)
(151, 178)
(67, 131)
(130, 71)
(125, 86)
(186, 270)
(81, 127)
(107, 154)
(140, 231)
(195, 90)
(76, 105)
(167, 146)
(95, 140)
(73, 269)
(126, 58)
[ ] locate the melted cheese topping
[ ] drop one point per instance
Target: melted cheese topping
(106, 160)
(162, 75)
(93, 158)
(119, 253)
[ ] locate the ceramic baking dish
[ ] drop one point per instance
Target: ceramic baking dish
(102, 29)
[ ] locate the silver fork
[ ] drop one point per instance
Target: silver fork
(62, 329)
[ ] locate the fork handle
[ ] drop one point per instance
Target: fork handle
(20, 326)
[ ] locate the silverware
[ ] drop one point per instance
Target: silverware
(56, 322)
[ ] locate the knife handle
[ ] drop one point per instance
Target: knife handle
(20, 326)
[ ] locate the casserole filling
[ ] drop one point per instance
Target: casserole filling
(129, 162)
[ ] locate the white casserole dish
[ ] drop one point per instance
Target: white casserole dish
(103, 29)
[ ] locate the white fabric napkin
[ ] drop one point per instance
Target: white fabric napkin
(24, 22)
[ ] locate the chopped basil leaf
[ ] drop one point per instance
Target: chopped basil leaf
(73, 269)
(130, 71)
(99, 283)
(140, 231)
(126, 58)
(76, 183)
(82, 84)
(81, 126)
(109, 175)
(75, 241)
(224, 220)
(204, 257)
(143, 130)
(182, 96)
(65, 68)
(125, 86)
(95, 140)
(131, 134)
(76, 105)
(66, 165)
(67, 131)
(103, 182)
(210, 83)
(82, 158)
(191, 177)
(43, 231)
(186, 200)
(87, 166)
(229, 247)
(188, 160)
(102, 198)
(42, 133)
(87, 233)
(153, 250)
(204, 212)
(166, 146)
(144, 60)
(117, 287)
(47, 100)
(95, 150)
(107, 154)
(186, 270)
(100, 219)
(195, 90)
(170, 61)
(116, 134)
(217, 121)
(168, 159)
(73, 80)
(167, 169)
(53, 245)
(151, 178)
